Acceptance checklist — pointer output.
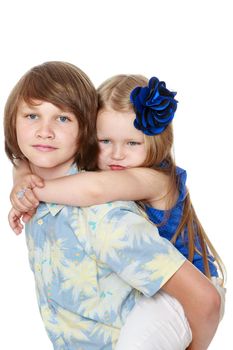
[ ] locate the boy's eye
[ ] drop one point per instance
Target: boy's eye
(63, 118)
(133, 143)
(32, 116)
(105, 142)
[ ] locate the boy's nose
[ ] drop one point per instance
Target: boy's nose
(45, 132)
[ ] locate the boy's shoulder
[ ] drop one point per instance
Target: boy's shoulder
(111, 208)
(93, 223)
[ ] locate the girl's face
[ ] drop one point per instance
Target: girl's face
(47, 136)
(121, 144)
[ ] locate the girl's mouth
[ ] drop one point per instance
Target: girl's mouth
(116, 167)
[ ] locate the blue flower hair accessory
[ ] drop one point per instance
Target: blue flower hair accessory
(155, 107)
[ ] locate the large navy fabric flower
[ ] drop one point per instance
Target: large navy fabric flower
(155, 107)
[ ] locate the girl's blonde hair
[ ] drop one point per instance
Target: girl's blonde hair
(114, 94)
(65, 86)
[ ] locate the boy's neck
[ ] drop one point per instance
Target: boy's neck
(51, 173)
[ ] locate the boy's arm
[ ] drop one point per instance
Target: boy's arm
(90, 188)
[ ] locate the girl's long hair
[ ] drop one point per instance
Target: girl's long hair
(114, 94)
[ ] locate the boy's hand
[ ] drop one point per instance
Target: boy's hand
(15, 218)
(22, 196)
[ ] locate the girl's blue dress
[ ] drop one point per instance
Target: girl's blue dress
(170, 225)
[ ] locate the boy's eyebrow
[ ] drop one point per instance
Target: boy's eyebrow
(27, 109)
(24, 105)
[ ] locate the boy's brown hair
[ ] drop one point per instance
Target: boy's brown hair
(65, 86)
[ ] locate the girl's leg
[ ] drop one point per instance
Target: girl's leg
(222, 291)
(156, 323)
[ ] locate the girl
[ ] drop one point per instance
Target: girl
(49, 168)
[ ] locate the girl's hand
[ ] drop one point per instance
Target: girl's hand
(27, 201)
(15, 218)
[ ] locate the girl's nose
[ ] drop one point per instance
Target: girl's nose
(118, 152)
(45, 131)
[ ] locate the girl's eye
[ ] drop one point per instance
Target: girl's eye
(32, 116)
(105, 142)
(134, 143)
(63, 118)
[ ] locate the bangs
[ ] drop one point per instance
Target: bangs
(115, 92)
(36, 87)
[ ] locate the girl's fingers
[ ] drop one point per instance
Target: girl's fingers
(18, 229)
(30, 199)
(36, 181)
(27, 216)
(25, 203)
(16, 197)
(20, 204)
(22, 196)
(14, 222)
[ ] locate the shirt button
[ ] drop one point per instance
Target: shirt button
(40, 222)
(37, 268)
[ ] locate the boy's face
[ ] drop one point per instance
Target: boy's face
(121, 144)
(47, 136)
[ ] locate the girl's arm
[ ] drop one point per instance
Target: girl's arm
(24, 179)
(90, 188)
(201, 303)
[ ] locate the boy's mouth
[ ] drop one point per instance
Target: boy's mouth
(116, 167)
(44, 148)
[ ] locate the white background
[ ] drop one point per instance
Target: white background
(187, 44)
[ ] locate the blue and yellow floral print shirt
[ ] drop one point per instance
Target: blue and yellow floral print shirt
(91, 265)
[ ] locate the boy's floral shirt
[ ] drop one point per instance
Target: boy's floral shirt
(90, 266)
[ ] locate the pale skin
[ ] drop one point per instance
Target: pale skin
(47, 137)
(122, 148)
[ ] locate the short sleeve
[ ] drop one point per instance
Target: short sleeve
(131, 246)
